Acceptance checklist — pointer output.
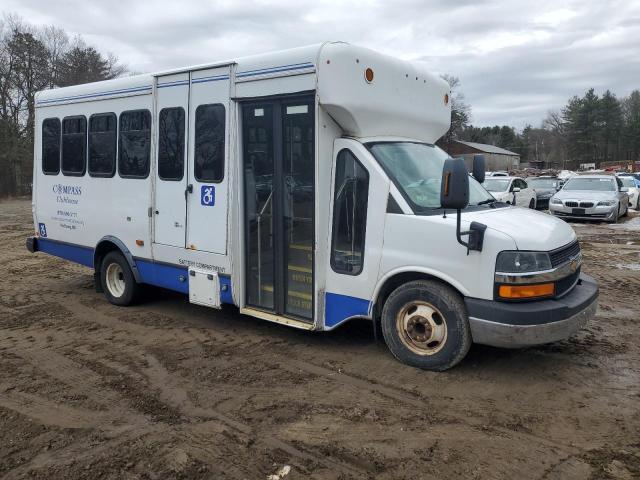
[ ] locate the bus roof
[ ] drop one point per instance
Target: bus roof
(368, 94)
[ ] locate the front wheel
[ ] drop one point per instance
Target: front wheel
(532, 204)
(425, 325)
(118, 283)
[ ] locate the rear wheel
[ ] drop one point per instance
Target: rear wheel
(425, 325)
(120, 287)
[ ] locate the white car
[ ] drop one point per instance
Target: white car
(634, 192)
(512, 190)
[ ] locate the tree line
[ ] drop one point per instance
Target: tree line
(588, 129)
(33, 59)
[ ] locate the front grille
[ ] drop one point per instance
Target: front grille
(586, 204)
(562, 254)
(564, 285)
(571, 203)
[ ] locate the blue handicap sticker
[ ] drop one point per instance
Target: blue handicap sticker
(208, 195)
(43, 229)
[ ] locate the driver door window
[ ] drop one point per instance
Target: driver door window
(350, 200)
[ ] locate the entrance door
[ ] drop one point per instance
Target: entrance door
(171, 179)
(279, 166)
(207, 179)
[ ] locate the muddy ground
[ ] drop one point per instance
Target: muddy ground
(168, 390)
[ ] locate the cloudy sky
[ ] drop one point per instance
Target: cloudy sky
(515, 59)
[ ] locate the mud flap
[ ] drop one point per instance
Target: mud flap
(97, 282)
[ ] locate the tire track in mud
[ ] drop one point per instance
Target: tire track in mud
(291, 363)
(70, 372)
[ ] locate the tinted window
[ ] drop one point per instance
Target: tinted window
(51, 146)
(209, 143)
(349, 214)
(135, 141)
(171, 144)
(74, 145)
(102, 145)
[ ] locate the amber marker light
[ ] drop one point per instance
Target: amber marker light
(140, 243)
(368, 75)
(526, 291)
(446, 99)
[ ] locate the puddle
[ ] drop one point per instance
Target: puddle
(628, 266)
(632, 225)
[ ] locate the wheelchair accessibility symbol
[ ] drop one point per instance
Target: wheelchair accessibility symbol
(43, 230)
(208, 195)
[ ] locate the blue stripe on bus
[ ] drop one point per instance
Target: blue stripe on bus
(214, 78)
(90, 95)
(284, 68)
(338, 308)
(152, 273)
(75, 253)
(165, 276)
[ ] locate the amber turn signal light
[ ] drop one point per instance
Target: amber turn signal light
(527, 291)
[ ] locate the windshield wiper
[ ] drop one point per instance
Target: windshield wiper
(488, 200)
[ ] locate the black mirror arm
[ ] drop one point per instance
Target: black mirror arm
(475, 232)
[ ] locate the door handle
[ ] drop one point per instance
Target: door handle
(188, 190)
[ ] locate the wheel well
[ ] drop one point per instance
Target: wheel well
(102, 249)
(394, 282)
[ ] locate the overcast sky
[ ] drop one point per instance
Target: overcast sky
(515, 59)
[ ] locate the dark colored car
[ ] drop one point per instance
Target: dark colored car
(545, 188)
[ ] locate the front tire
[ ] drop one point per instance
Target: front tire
(425, 325)
(532, 204)
(119, 285)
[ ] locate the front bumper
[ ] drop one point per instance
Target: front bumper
(595, 213)
(542, 203)
(516, 325)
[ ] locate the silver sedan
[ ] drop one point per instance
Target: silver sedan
(597, 197)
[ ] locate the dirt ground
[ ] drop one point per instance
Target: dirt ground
(169, 390)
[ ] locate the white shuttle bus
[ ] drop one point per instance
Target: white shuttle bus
(304, 187)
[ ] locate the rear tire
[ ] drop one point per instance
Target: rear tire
(119, 285)
(425, 325)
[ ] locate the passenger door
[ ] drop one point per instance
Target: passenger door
(207, 172)
(172, 105)
(279, 188)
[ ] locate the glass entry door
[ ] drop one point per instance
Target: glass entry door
(279, 167)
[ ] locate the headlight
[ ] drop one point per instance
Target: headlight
(556, 201)
(521, 262)
(606, 203)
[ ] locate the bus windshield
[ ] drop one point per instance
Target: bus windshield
(416, 169)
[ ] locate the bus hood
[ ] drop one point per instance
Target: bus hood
(529, 229)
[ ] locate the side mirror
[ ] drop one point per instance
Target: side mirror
(515, 189)
(478, 167)
(454, 190)
(454, 193)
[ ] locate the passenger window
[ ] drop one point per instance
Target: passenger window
(209, 143)
(102, 144)
(74, 146)
(349, 214)
(51, 146)
(171, 144)
(135, 144)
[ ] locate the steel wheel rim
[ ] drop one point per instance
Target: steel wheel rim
(115, 280)
(422, 328)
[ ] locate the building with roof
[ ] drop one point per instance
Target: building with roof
(496, 158)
